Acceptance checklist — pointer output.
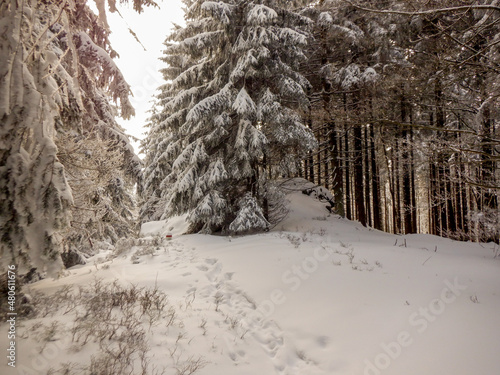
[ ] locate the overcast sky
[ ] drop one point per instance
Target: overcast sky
(140, 67)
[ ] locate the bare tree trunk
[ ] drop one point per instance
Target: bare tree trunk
(375, 180)
(408, 172)
(368, 185)
(346, 162)
(358, 175)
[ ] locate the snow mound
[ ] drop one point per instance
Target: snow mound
(175, 226)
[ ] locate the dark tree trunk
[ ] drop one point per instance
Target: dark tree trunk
(377, 221)
(347, 163)
(408, 171)
(358, 175)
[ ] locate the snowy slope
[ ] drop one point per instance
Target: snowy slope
(317, 295)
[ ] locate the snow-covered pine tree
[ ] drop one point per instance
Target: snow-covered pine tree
(57, 79)
(227, 118)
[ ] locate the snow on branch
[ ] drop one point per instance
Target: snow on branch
(210, 105)
(184, 158)
(245, 64)
(254, 37)
(199, 154)
(220, 10)
(261, 15)
(187, 181)
(110, 74)
(325, 19)
(250, 217)
(210, 210)
(289, 37)
(203, 41)
(244, 105)
(191, 74)
(216, 173)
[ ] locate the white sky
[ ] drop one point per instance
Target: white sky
(141, 68)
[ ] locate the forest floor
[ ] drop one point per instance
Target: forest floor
(316, 295)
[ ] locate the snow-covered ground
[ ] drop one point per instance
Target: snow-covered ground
(316, 295)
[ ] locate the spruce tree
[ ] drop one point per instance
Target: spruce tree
(228, 118)
(58, 83)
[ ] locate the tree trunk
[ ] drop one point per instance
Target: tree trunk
(358, 175)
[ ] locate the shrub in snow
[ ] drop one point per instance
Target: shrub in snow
(118, 319)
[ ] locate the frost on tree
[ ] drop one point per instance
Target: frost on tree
(57, 81)
(227, 118)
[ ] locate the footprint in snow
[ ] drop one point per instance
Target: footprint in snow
(323, 341)
(237, 356)
(265, 332)
(214, 272)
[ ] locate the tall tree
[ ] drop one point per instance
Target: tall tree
(57, 80)
(228, 118)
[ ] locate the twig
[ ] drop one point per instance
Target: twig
(427, 260)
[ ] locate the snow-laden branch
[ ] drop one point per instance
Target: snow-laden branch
(90, 52)
(429, 11)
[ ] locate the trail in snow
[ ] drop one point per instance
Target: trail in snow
(235, 305)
